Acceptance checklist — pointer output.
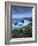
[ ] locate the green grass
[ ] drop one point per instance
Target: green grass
(23, 32)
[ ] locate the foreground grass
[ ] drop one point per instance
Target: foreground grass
(25, 31)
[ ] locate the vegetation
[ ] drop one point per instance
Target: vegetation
(23, 32)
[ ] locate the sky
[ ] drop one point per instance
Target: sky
(20, 12)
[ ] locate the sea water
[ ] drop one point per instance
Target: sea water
(19, 24)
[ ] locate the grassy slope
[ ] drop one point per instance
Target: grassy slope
(25, 31)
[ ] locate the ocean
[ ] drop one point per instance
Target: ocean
(18, 23)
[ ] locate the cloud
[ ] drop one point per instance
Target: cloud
(19, 12)
(22, 15)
